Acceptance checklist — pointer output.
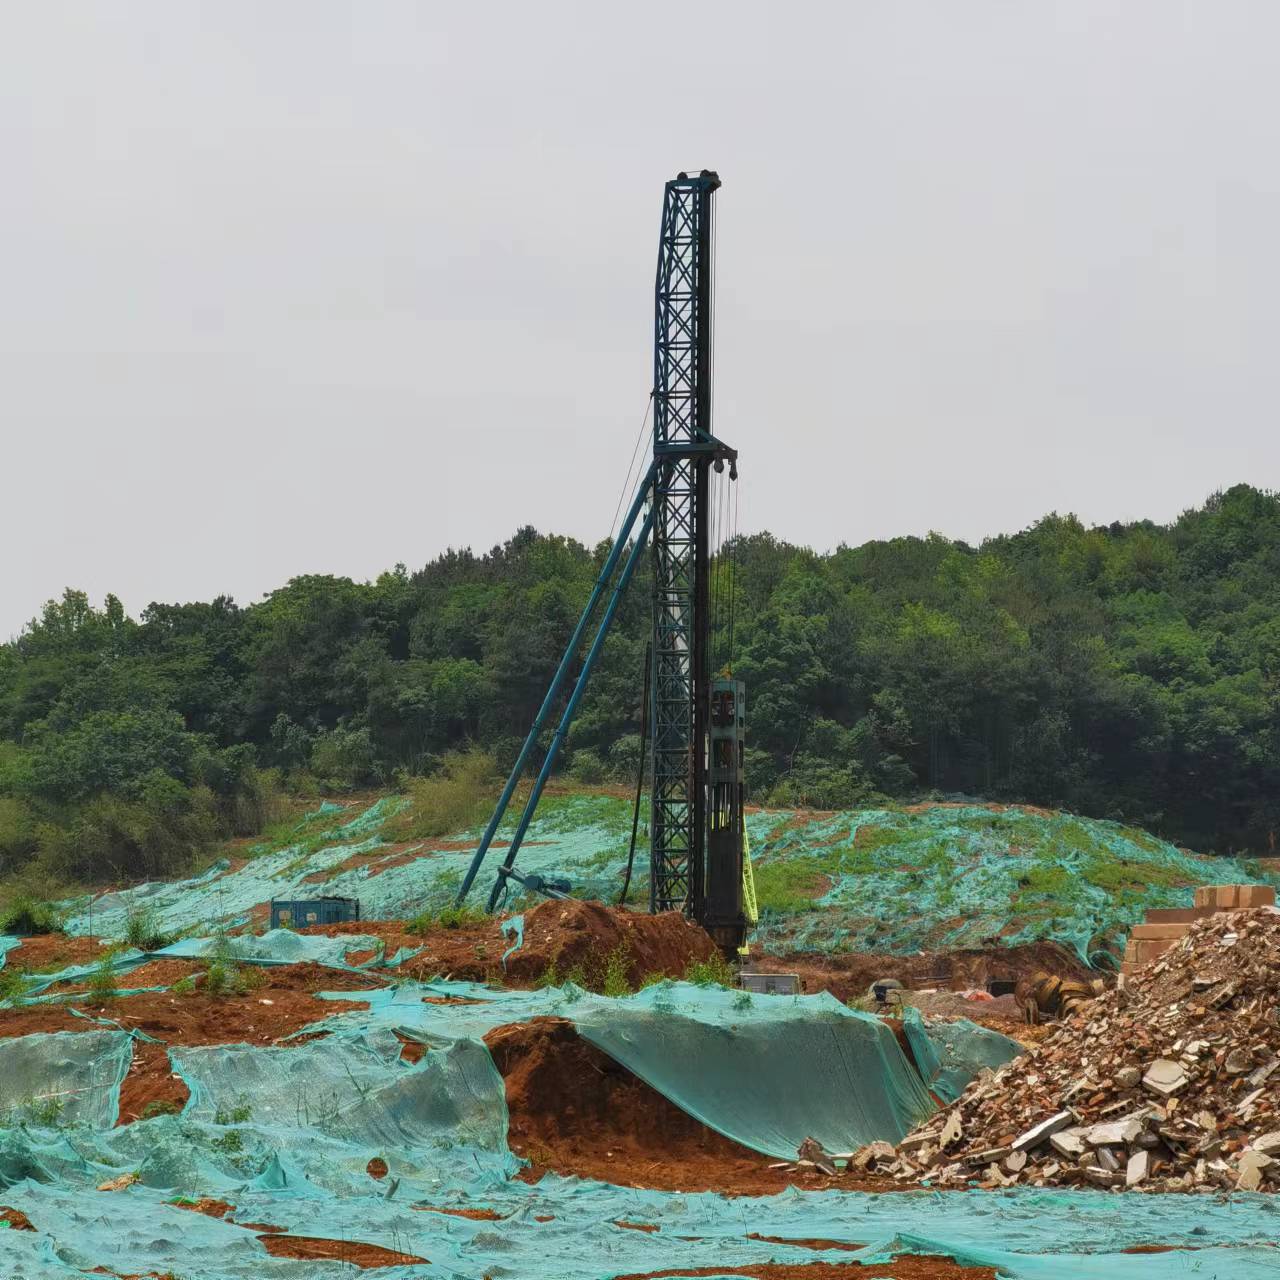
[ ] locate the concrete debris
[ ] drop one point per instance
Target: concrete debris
(1172, 1084)
(1039, 1132)
(811, 1151)
(1165, 1077)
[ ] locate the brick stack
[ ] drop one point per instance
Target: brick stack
(1162, 929)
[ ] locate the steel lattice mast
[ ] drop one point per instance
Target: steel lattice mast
(683, 449)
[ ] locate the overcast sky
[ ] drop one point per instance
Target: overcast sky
(305, 287)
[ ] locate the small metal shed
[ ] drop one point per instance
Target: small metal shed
(297, 913)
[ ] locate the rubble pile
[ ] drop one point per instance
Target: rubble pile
(1170, 1082)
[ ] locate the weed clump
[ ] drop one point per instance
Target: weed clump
(450, 917)
(159, 1107)
(24, 916)
(455, 798)
(102, 982)
(142, 930)
(716, 972)
(241, 1113)
(13, 984)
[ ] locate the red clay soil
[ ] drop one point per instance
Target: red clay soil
(573, 1110)
(49, 951)
(17, 1220)
(569, 934)
(312, 1248)
(474, 1215)
(281, 1002)
(209, 1207)
(925, 1267)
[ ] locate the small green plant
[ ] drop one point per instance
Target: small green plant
(14, 984)
(46, 1112)
(102, 981)
(230, 1143)
(241, 1113)
(450, 917)
(616, 969)
(160, 1108)
(226, 978)
(714, 972)
(142, 930)
(742, 1001)
(185, 986)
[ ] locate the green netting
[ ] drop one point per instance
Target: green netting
(950, 1054)
(286, 1135)
(277, 947)
(766, 1071)
(943, 876)
(67, 1077)
(967, 875)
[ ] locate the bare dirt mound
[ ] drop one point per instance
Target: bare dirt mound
(569, 935)
(574, 1110)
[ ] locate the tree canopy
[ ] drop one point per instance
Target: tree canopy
(1127, 671)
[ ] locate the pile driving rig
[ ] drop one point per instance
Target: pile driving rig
(696, 723)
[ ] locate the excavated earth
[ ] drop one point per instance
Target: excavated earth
(573, 1110)
(848, 975)
(564, 935)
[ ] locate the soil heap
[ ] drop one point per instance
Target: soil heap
(1168, 1083)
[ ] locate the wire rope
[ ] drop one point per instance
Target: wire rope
(635, 453)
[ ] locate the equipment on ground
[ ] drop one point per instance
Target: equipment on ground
(697, 722)
(770, 984)
(1045, 995)
(298, 913)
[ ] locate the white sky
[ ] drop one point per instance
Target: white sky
(309, 286)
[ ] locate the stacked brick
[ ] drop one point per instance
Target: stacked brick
(1161, 929)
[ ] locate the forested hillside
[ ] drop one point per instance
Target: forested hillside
(1127, 671)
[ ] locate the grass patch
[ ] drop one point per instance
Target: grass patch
(160, 1108)
(23, 916)
(715, 972)
(14, 984)
(142, 930)
(450, 917)
(454, 799)
(787, 885)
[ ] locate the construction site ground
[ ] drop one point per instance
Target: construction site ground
(573, 1110)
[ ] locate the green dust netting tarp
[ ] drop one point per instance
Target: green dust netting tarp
(67, 1077)
(769, 1071)
(939, 876)
(285, 1135)
(950, 1054)
(967, 875)
(277, 947)
(766, 1071)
